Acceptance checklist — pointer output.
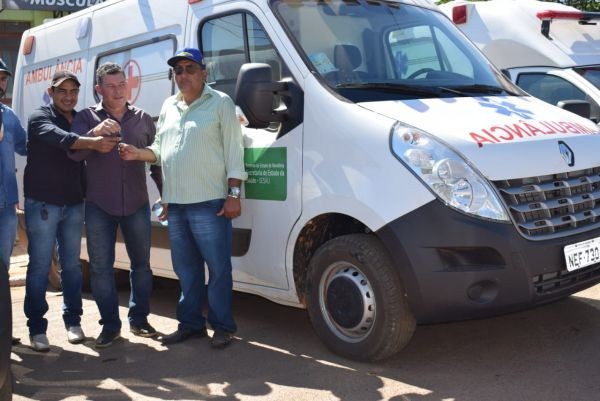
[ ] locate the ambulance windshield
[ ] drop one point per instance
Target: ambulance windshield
(592, 74)
(373, 50)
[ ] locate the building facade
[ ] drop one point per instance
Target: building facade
(16, 16)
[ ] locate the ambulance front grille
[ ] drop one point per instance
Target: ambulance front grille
(549, 283)
(554, 205)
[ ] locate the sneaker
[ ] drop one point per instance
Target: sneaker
(106, 338)
(16, 341)
(220, 339)
(143, 330)
(39, 343)
(75, 335)
(182, 334)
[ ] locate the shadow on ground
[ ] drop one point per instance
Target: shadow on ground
(549, 353)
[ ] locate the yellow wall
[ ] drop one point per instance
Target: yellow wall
(35, 18)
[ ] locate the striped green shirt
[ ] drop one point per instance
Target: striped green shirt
(198, 147)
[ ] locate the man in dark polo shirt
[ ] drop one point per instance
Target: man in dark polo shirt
(116, 196)
(53, 187)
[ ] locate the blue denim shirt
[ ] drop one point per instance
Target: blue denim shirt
(14, 140)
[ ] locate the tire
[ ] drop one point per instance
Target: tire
(356, 301)
(85, 276)
(6, 389)
(54, 280)
(5, 335)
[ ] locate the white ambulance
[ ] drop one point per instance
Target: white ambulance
(550, 50)
(395, 176)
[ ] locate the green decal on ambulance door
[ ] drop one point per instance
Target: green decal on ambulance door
(267, 173)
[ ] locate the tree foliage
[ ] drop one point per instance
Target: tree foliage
(585, 5)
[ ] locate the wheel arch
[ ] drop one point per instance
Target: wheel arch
(315, 233)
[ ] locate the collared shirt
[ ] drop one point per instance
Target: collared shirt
(14, 139)
(116, 186)
(199, 147)
(50, 175)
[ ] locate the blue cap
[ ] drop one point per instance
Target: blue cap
(188, 53)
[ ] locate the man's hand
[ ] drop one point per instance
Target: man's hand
(128, 152)
(231, 209)
(104, 144)
(107, 127)
(164, 215)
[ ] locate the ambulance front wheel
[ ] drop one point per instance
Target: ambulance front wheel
(356, 300)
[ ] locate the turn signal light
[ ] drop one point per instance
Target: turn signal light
(28, 45)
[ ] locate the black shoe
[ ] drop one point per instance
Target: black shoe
(16, 341)
(143, 330)
(106, 338)
(182, 334)
(220, 339)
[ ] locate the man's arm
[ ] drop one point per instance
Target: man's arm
(90, 138)
(20, 136)
(155, 169)
(130, 152)
(233, 150)
(41, 126)
(102, 144)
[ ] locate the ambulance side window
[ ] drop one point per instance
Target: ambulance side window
(553, 89)
(232, 40)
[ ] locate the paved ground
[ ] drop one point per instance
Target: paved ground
(547, 354)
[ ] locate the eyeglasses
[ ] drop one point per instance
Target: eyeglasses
(189, 69)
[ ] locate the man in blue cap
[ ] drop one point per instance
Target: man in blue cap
(199, 146)
(12, 139)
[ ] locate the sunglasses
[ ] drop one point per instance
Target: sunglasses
(189, 69)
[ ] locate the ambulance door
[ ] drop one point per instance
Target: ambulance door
(271, 199)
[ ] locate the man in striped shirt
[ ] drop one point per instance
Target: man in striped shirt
(199, 146)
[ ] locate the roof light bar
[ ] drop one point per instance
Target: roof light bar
(548, 15)
(553, 14)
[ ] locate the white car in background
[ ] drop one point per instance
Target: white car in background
(550, 50)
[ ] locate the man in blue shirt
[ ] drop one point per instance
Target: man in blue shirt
(53, 187)
(12, 139)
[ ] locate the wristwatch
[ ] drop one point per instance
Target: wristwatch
(234, 192)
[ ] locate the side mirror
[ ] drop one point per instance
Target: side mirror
(255, 93)
(580, 107)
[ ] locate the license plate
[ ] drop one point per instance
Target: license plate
(582, 254)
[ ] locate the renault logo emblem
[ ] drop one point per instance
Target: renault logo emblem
(566, 153)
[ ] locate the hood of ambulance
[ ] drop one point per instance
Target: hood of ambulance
(504, 137)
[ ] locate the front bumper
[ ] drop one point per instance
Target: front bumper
(457, 267)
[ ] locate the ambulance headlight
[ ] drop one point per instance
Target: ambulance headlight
(446, 173)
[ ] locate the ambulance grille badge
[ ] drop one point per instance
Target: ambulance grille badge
(566, 153)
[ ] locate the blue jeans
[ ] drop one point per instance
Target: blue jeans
(8, 232)
(48, 225)
(101, 232)
(197, 236)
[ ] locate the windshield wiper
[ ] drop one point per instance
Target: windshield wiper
(484, 89)
(402, 88)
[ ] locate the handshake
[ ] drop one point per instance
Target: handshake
(106, 136)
